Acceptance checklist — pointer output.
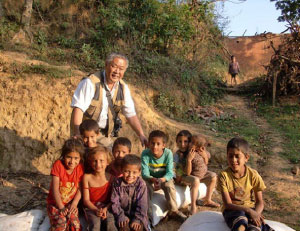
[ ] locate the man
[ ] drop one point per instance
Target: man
(101, 97)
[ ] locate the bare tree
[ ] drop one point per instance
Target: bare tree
(26, 15)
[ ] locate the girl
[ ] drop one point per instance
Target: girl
(97, 190)
(183, 140)
(64, 193)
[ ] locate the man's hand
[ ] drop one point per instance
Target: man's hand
(135, 225)
(144, 140)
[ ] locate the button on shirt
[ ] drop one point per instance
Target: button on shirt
(84, 94)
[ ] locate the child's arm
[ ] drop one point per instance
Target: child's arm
(169, 167)
(116, 208)
(145, 168)
(73, 208)
(141, 204)
(190, 157)
(259, 205)
(56, 193)
(86, 194)
(205, 156)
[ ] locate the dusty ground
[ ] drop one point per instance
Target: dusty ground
(34, 122)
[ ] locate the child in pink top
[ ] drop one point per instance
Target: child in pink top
(64, 193)
(97, 190)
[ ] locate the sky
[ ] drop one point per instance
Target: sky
(255, 16)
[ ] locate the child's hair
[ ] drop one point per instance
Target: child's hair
(122, 141)
(185, 133)
(158, 133)
(232, 56)
(200, 141)
(89, 125)
(73, 145)
(240, 144)
(99, 148)
(131, 159)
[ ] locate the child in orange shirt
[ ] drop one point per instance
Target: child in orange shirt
(97, 190)
(64, 193)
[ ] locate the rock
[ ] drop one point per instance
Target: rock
(295, 170)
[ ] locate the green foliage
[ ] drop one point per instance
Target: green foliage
(286, 120)
(289, 10)
(167, 104)
(7, 28)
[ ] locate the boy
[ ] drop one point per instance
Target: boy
(121, 147)
(89, 131)
(157, 171)
(233, 69)
(241, 188)
(129, 196)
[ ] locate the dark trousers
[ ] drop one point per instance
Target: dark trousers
(96, 223)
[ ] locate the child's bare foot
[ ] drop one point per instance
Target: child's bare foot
(193, 210)
(209, 203)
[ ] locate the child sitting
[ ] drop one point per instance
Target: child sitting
(129, 196)
(64, 193)
(183, 140)
(196, 165)
(97, 190)
(157, 171)
(121, 147)
(241, 188)
(89, 131)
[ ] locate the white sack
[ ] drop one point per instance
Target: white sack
(183, 198)
(25, 221)
(214, 221)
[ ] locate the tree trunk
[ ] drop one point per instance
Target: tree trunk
(26, 16)
(274, 89)
(1, 10)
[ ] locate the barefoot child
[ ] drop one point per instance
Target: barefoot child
(157, 171)
(97, 190)
(121, 147)
(183, 140)
(241, 188)
(64, 193)
(196, 165)
(129, 196)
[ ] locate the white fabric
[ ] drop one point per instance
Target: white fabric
(214, 221)
(84, 94)
(25, 221)
(183, 199)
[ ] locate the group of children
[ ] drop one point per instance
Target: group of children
(116, 189)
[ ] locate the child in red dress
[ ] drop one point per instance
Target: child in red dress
(97, 190)
(64, 193)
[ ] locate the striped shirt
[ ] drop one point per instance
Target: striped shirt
(158, 168)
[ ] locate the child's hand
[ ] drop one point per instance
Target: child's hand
(98, 212)
(73, 209)
(178, 179)
(64, 211)
(157, 184)
(123, 224)
(256, 218)
(103, 212)
(191, 154)
(135, 226)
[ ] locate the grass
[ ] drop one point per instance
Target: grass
(51, 72)
(286, 120)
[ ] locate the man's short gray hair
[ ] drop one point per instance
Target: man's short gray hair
(112, 56)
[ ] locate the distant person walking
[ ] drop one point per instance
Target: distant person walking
(233, 69)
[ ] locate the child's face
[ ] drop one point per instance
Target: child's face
(157, 146)
(130, 173)
(182, 143)
(236, 160)
(98, 162)
(71, 160)
(119, 152)
(90, 138)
